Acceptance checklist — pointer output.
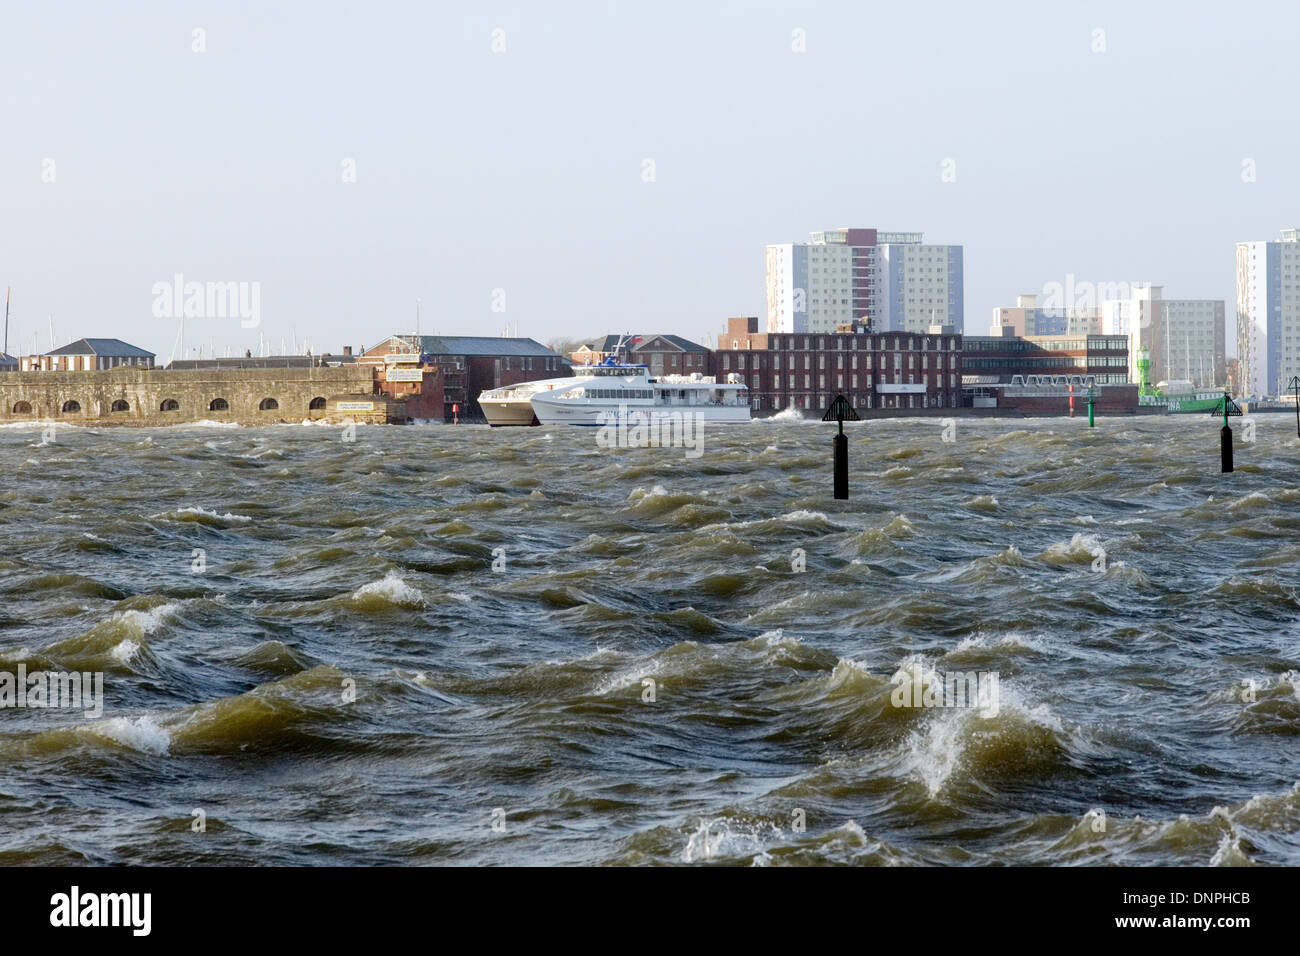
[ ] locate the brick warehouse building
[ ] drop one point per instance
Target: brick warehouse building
(1040, 374)
(441, 376)
(873, 370)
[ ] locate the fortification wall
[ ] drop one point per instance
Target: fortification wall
(135, 396)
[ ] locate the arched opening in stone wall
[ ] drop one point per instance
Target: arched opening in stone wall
(121, 406)
(218, 405)
(269, 404)
(22, 408)
(317, 403)
(169, 405)
(72, 406)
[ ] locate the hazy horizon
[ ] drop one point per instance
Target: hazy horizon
(524, 170)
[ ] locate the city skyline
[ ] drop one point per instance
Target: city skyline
(541, 198)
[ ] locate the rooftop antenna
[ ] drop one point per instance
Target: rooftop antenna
(6, 348)
(52, 345)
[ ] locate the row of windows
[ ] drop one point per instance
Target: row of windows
(821, 400)
(1117, 343)
(1054, 361)
(758, 361)
(167, 405)
(887, 342)
(853, 380)
(610, 393)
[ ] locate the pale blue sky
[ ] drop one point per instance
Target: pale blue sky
(522, 170)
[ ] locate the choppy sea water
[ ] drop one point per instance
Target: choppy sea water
(647, 677)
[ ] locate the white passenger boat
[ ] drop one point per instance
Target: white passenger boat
(627, 395)
(513, 404)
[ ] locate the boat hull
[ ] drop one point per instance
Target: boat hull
(561, 412)
(503, 413)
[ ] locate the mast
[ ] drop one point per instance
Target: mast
(6, 348)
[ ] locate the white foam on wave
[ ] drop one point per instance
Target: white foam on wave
(640, 494)
(1256, 499)
(144, 623)
(802, 515)
(628, 677)
(720, 838)
(124, 650)
(196, 510)
(393, 590)
(938, 750)
(786, 416)
(1229, 852)
(1081, 546)
(139, 733)
(1010, 639)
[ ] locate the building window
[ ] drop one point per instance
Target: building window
(268, 405)
(120, 406)
(169, 405)
(218, 405)
(316, 404)
(72, 406)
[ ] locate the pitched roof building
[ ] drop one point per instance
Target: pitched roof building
(457, 367)
(666, 354)
(89, 355)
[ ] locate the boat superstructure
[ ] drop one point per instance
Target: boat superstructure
(513, 404)
(631, 397)
(616, 392)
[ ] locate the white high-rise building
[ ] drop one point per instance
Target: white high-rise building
(1268, 314)
(1185, 339)
(892, 282)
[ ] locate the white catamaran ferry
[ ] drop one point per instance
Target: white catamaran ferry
(626, 394)
(513, 404)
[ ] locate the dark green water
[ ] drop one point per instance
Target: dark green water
(1126, 595)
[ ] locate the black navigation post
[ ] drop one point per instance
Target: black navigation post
(1225, 408)
(1295, 390)
(839, 410)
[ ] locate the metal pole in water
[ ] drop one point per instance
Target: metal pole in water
(1294, 386)
(841, 465)
(1091, 424)
(1225, 439)
(839, 410)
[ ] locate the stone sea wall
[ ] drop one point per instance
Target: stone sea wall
(135, 396)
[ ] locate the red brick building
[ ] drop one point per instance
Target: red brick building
(441, 376)
(873, 370)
